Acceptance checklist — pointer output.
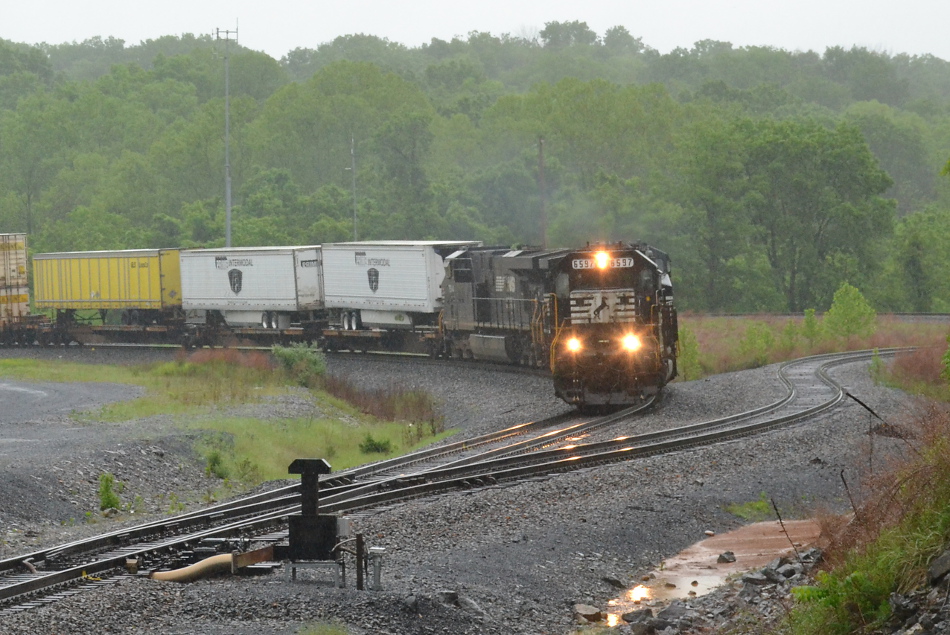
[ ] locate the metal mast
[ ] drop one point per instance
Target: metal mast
(544, 213)
(227, 131)
(353, 170)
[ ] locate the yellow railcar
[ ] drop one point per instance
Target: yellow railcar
(140, 282)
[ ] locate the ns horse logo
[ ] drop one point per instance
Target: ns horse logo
(373, 275)
(235, 277)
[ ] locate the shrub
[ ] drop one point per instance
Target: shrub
(370, 445)
(249, 473)
(108, 498)
(811, 327)
(788, 336)
(687, 363)
(850, 314)
(945, 373)
(215, 465)
(756, 344)
(305, 363)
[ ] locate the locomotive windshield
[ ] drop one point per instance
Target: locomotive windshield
(605, 270)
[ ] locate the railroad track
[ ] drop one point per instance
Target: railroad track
(527, 450)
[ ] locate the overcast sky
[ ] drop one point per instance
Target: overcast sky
(278, 26)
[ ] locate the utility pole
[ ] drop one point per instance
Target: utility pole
(544, 213)
(227, 130)
(353, 171)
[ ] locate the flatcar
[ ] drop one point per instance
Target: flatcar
(136, 294)
(386, 295)
(261, 294)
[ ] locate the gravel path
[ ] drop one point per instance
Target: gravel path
(505, 559)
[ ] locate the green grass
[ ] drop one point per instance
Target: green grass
(323, 629)
(35, 370)
(271, 445)
(198, 389)
(753, 511)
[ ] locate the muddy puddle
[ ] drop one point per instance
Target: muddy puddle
(696, 570)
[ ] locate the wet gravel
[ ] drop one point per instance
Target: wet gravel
(512, 558)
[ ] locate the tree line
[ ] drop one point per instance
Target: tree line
(771, 177)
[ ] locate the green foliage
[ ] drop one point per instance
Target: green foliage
(249, 472)
(323, 629)
(108, 498)
(903, 525)
(762, 171)
(214, 465)
(370, 445)
(305, 363)
(137, 505)
(753, 511)
(687, 361)
(175, 505)
(946, 363)
(253, 450)
(815, 198)
(757, 343)
(811, 327)
(248, 450)
(789, 336)
(837, 602)
(849, 315)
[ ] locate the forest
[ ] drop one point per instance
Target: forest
(771, 177)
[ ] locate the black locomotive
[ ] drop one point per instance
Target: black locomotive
(601, 317)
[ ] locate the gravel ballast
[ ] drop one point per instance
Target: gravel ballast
(511, 558)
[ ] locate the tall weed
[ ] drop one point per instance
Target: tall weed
(687, 363)
(388, 404)
(305, 363)
(903, 522)
(757, 344)
(108, 497)
(811, 327)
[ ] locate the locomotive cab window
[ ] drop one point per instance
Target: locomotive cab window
(612, 278)
(462, 271)
(646, 281)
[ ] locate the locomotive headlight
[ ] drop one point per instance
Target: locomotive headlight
(573, 345)
(602, 258)
(631, 342)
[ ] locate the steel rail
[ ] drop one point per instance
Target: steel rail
(465, 474)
